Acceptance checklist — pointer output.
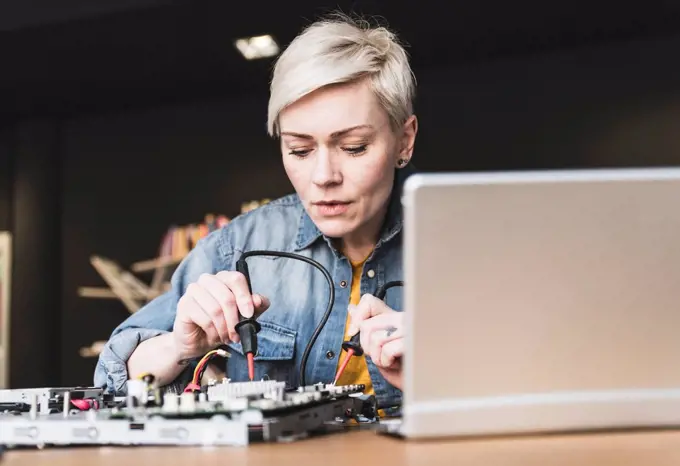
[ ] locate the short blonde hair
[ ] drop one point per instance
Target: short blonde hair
(338, 50)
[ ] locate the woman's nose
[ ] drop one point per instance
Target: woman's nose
(326, 170)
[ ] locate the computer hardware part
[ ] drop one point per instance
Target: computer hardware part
(47, 400)
(239, 414)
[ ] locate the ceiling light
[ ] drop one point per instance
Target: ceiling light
(257, 47)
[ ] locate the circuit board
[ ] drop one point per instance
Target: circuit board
(49, 400)
(227, 413)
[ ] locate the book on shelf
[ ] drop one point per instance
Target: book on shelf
(179, 240)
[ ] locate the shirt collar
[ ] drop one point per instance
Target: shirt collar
(308, 232)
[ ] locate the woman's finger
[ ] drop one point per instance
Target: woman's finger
(391, 353)
(238, 285)
(192, 313)
(369, 307)
(392, 320)
(212, 308)
(227, 302)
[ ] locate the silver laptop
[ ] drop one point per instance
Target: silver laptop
(541, 302)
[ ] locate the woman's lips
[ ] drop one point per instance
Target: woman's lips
(331, 208)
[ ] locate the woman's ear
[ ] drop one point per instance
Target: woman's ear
(408, 140)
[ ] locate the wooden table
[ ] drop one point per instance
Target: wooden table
(368, 448)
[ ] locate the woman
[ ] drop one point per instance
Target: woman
(341, 104)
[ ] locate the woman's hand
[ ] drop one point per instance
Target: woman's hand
(382, 335)
(209, 311)
(205, 319)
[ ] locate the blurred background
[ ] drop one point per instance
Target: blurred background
(122, 118)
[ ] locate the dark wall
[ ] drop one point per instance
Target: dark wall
(5, 179)
(37, 12)
(36, 271)
(607, 106)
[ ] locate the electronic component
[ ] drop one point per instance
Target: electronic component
(224, 413)
(48, 400)
(269, 389)
(195, 383)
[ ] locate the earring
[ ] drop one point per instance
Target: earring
(402, 162)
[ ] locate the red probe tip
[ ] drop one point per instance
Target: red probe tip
(251, 366)
(350, 353)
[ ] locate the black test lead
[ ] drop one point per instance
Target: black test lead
(247, 327)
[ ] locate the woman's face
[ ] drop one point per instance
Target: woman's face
(340, 152)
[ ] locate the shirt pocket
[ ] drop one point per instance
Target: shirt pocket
(275, 358)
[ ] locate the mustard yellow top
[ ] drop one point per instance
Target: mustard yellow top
(356, 371)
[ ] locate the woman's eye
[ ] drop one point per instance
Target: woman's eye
(355, 150)
(299, 152)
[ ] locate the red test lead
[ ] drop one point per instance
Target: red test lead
(353, 346)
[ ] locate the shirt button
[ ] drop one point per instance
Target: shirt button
(343, 284)
(371, 273)
(330, 355)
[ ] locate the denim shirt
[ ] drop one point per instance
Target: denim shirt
(297, 291)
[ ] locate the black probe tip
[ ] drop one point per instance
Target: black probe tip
(247, 331)
(353, 343)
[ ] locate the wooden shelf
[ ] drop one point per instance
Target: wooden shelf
(93, 350)
(94, 292)
(107, 293)
(153, 264)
